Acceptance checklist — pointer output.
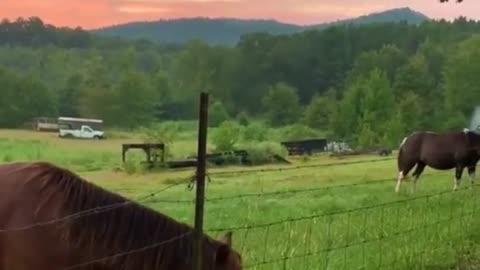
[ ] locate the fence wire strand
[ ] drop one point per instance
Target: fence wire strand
(289, 168)
(291, 191)
(129, 252)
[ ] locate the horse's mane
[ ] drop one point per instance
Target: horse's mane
(118, 230)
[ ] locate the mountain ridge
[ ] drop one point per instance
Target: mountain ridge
(227, 31)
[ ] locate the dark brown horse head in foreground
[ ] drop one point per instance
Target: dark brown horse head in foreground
(51, 219)
(441, 151)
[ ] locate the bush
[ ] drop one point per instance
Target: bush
(131, 167)
(299, 132)
(242, 119)
(282, 104)
(226, 136)
(318, 112)
(256, 132)
(217, 114)
(264, 153)
(161, 133)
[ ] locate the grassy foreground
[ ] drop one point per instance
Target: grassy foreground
(364, 226)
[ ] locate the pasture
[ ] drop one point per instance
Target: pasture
(343, 216)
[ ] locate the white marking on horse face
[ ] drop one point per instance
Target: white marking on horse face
(466, 130)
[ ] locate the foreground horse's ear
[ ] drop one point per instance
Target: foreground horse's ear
(223, 251)
(227, 239)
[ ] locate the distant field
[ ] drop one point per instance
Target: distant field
(365, 230)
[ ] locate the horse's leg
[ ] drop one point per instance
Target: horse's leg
(471, 173)
(458, 177)
(416, 174)
(399, 181)
(401, 175)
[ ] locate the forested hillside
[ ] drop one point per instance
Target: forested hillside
(228, 32)
(367, 83)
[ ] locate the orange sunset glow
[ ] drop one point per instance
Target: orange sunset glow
(96, 13)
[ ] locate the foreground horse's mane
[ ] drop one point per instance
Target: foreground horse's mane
(128, 227)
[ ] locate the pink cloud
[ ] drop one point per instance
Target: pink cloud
(95, 13)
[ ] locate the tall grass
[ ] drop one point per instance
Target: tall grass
(354, 227)
(358, 227)
(32, 150)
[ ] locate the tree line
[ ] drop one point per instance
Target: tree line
(368, 84)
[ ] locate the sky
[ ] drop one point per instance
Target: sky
(90, 14)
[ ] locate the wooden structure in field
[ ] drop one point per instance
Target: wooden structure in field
(151, 151)
(300, 147)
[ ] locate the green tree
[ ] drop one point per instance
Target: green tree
(435, 56)
(318, 114)
(70, 95)
(409, 111)
(389, 58)
(415, 77)
(462, 83)
(22, 99)
(218, 114)
(95, 98)
(366, 109)
(135, 96)
(226, 136)
(282, 104)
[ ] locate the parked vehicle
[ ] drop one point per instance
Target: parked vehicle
(45, 124)
(81, 128)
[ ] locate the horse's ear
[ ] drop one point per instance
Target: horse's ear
(227, 239)
(224, 250)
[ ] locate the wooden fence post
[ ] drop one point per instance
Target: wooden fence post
(200, 180)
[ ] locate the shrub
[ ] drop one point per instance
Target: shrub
(265, 152)
(298, 132)
(161, 133)
(217, 114)
(282, 104)
(242, 119)
(226, 136)
(257, 132)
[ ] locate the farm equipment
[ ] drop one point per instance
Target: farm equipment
(153, 151)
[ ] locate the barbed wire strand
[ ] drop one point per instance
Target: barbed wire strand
(299, 167)
(293, 191)
(261, 225)
(121, 254)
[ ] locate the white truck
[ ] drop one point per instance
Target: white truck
(80, 128)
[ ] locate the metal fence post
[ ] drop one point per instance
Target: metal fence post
(200, 180)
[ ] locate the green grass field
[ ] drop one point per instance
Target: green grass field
(346, 217)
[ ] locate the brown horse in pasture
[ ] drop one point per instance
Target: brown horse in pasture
(47, 222)
(440, 151)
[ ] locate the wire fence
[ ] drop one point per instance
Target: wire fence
(405, 234)
(274, 193)
(298, 167)
(402, 234)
